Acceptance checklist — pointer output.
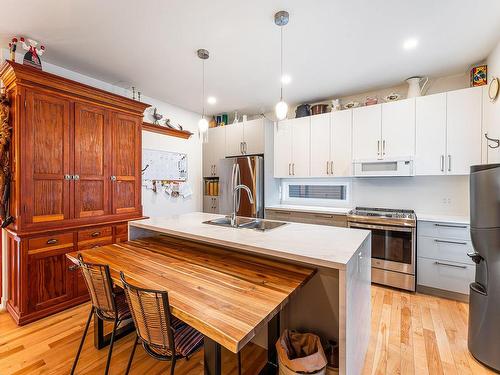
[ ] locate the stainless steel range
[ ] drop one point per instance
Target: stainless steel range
(393, 244)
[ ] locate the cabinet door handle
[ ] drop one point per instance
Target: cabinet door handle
(289, 170)
(76, 177)
(383, 147)
(327, 167)
(95, 234)
(453, 242)
(68, 177)
(52, 241)
(246, 148)
(378, 147)
(241, 147)
(293, 169)
(450, 265)
(113, 178)
(442, 163)
(451, 226)
(331, 167)
(449, 163)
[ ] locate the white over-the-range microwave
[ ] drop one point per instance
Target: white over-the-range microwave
(384, 167)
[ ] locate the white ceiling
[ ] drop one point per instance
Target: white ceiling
(332, 47)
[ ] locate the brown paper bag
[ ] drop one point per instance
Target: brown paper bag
(301, 352)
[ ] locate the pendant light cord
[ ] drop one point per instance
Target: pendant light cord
(203, 90)
(281, 77)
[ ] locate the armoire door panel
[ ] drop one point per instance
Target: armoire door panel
(50, 281)
(46, 158)
(92, 154)
(126, 152)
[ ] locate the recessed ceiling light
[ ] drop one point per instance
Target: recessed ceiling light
(211, 100)
(286, 79)
(410, 44)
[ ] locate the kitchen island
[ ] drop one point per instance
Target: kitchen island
(335, 303)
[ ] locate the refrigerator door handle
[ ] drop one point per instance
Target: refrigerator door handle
(238, 182)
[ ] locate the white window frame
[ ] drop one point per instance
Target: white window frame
(286, 199)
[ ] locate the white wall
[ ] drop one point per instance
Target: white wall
(440, 195)
(155, 204)
(492, 110)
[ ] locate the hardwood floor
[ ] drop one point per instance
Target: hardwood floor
(411, 334)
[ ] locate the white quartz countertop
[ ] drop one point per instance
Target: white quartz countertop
(311, 209)
(318, 245)
(443, 218)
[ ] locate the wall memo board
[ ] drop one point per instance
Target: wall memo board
(164, 165)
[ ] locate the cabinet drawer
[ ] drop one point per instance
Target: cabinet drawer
(445, 275)
(308, 217)
(95, 243)
(94, 233)
(121, 229)
(444, 249)
(57, 240)
(443, 230)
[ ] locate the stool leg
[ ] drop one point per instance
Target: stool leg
(83, 340)
(111, 347)
(132, 354)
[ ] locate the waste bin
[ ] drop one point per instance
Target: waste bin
(300, 353)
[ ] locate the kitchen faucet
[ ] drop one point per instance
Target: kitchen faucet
(235, 191)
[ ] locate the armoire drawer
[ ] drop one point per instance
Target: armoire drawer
(443, 230)
(94, 233)
(96, 243)
(445, 275)
(445, 249)
(63, 239)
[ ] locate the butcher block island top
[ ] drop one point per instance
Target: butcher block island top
(316, 245)
(227, 296)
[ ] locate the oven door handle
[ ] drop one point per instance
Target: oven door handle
(381, 227)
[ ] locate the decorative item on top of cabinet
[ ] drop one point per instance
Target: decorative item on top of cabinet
(479, 75)
(32, 57)
(416, 86)
(493, 89)
(76, 163)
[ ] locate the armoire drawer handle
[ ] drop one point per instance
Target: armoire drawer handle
(113, 178)
(52, 241)
(95, 234)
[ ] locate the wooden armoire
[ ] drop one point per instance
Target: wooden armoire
(76, 182)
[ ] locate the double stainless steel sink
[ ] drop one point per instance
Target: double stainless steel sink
(246, 223)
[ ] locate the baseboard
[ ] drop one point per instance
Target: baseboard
(3, 304)
(443, 293)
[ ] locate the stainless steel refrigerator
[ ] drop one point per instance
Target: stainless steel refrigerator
(246, 170)
(484, 304)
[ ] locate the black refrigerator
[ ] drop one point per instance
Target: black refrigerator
(484, 306)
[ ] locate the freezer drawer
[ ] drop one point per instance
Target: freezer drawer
(445, 275)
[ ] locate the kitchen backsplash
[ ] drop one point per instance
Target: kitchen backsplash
(444, 195)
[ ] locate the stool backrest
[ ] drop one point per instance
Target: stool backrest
(100, 285)
(151, 313)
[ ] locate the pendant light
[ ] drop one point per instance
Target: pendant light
(203, 54)
(281, 19)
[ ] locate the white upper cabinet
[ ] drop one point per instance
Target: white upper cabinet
(245, 138)
(320, 141)
(234, 139)
(366, 132)
(214, 150)
(398, 129)
(253, 137)
(292, 142)
(340, 143)
(283, 148)
(463, 129)
(430, 134)
(301, 146)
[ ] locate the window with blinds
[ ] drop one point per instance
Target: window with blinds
(335, 192)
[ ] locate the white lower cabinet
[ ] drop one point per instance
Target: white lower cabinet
(442, 261)
(445, 275)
